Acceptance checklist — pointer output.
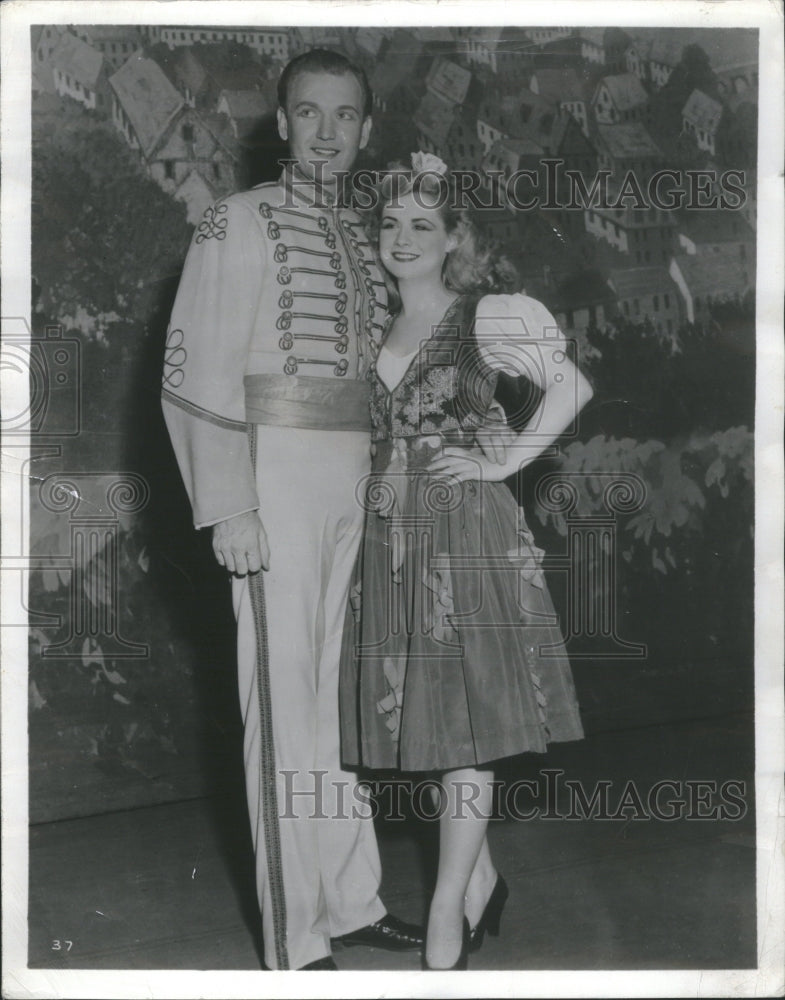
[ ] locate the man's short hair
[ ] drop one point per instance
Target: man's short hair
(323, 61)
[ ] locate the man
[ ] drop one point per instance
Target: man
(277, 318)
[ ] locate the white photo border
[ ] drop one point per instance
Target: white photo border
(769, 978)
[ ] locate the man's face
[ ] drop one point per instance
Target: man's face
(323, 123)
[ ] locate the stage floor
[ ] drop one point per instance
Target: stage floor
(171, 886)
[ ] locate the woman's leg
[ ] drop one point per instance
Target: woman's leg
(481, 883)
(467, 803)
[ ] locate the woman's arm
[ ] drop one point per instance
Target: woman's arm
(506, 342)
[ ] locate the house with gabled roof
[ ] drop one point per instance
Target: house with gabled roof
(115, 42)
(701, 117)
(737, 77)
(494, 121)
(502, 50)
(203, 72)
(267, 40)
(369, 44)
(580, 300)
(505, 158)
(651, 292)
(442, 117)
(636, 58)
(173, 139)
(592, 44)
(564, 89)
(79, 72)
(621, 148)
(704, 279)
(646, 235)
(619, 99)
(434, 118)
(505, 118)
(244, 109)
(43, 39)
(720, 231)
(663, 57)
(145, 103)
(653, 57)
(449, 80)
(393, 78)
(541, 35)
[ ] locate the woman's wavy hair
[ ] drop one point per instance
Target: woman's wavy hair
(476, 265)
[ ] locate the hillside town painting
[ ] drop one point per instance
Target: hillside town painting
(138, 130)
(188, 106)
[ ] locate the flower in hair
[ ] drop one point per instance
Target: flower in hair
(422, 162)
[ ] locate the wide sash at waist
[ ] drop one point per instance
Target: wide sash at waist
(310, 403)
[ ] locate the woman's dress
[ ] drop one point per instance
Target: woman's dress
(452, 654)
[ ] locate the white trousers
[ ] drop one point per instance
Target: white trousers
(317, 862)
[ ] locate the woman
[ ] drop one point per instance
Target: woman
(452, 656)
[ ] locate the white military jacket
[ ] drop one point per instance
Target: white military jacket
(271, 284)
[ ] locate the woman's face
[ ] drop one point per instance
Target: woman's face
(413, 241)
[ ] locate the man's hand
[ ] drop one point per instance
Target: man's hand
(240, 543)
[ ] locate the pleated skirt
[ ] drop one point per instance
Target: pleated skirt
(452, 653)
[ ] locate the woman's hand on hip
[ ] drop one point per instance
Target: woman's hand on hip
(465, 465)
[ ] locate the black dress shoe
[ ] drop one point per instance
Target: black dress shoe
(491, 915)
(389, 932)
(462, 961)
(321, 965)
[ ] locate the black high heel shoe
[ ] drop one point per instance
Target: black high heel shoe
(491, 915)
(462, 961)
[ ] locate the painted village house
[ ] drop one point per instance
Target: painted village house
(582, 300)
(646, 235)
(522, 131)
(394, 79)
(115, 42)
(301, 39)
(506, 157)
(619, 99)
(79, 72)
(563, 88)
(653, 58)
(592, 45)
(543, 36)
(648, 292)
(266, 41)
(704, 279)
(636, 58)
(504, 119)
(368, 45)
(701, 117)
(244, 109)
(504, 52)
(173, 140)
(44, 39)
(201, 73)
(444, 118)
(718, 231)
(624, 148)
(663, 57)
(739, 77)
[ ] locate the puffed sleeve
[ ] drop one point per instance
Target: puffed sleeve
(205, 361)
(514, 333)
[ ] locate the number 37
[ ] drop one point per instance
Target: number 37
(62, 945)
